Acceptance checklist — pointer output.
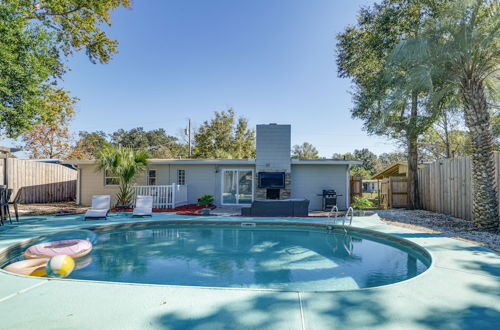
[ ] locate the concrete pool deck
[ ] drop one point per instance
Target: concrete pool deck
(461, 290)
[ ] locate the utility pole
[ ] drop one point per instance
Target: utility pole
(189, 137)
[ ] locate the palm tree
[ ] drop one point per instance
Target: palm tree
(124, 163)
(461, 50)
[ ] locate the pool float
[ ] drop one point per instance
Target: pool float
(58, 266)
(75, 248)
(32, 267)
(70, 234)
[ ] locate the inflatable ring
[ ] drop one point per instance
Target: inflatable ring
(75, 248)
(33, 267)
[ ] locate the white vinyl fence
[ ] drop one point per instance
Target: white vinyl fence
(164, 197)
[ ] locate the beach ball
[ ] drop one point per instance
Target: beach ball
(60, 266)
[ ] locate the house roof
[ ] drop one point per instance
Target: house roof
(325, 162)
(396, 169)
(7, 150)
(229, 162)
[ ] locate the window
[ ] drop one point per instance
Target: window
(151, 177)
(181, 177)
(110, 179)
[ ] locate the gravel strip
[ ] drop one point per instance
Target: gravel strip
(50, 208)
(443, 224)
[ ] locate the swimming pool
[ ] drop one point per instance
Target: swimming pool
(290, 257)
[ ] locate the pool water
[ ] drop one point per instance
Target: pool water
(276, 257)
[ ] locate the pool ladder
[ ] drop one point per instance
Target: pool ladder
(335, 212)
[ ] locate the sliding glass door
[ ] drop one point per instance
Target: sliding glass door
(237, 186)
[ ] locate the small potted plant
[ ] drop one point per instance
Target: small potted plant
(205, 201)
(360, 204)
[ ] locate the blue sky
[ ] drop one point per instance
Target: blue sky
(270, 60)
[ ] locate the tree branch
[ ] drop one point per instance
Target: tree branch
(47, 13)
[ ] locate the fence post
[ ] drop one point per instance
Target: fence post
(389, 202)
(173, 195)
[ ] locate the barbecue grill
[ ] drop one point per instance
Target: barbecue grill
(329, 199)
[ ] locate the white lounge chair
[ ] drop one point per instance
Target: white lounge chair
(143, 206)
(100, 207)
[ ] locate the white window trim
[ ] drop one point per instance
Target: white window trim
(109, 177)
(184, 176)
(155, 177)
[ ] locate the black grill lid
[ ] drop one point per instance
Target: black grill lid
(329, 192)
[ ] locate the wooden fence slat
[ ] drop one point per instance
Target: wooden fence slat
(453, 190)
(464, 188)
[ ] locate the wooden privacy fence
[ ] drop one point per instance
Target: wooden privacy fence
(39, 182)
(393, 192)
(356, 187)
(446, 186)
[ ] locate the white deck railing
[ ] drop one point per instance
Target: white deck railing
(164, 197)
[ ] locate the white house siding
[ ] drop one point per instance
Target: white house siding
(201, 179)
(309, 180)
(206, 179)
(92, 183)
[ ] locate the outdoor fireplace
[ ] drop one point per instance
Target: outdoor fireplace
(271, 183)
(272, 194)
(273, 164)
(271, 180)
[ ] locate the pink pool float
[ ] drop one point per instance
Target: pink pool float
(75, 248)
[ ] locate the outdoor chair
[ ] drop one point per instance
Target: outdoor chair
(143, 206)
(4, 204)
(15, 201)
(100, 207)
(2, 216)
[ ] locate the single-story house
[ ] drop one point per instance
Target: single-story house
(271, 175)
(370, 186)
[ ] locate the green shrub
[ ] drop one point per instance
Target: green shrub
(205, 200)
(361, 203)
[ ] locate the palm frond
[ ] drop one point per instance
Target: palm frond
(126, 164)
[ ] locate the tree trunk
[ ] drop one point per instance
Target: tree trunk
(446, 136)
(477, 119)
(412, 183)
(412, 137)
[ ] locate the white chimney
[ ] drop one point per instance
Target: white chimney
(273, 148)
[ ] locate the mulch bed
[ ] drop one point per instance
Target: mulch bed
(190, 209)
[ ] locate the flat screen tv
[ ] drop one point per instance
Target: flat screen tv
(271, 180)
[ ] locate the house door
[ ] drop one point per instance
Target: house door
(237, 186)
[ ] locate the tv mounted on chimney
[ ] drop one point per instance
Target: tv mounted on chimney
(271, 180)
